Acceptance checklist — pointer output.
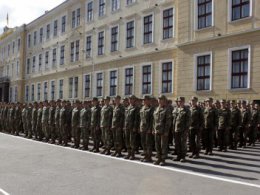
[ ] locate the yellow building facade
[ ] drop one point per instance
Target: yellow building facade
(87, 48)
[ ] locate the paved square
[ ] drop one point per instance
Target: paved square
(31, 168)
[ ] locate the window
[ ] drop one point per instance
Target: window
(28, 44)
(148, 29)
(27, 93)
(72, 48)
(19, 45)
(129, 2)
(101, 40)
(203, 72)
(204, 13)
(78, 16)
(17, 68)
(45, 90)
(28, 66)
(61, 89)
(240, 9)
(115, 5)
(130, 34)
(99, 92)
(40, 62)
(113, 83)
(168, 23)
(46, 60)
(41, 35)
(129, 81)
(38, 91)
(15, 94)
(11, 94)
(77, 51)
(32, 93)
(114, 39)
(102, 8)
(35, 38)
(147, 79)
(48, 30)
(63, 24)
(73, 19)
(52, 90)
(13, 46)
(73, 87)
(34, 64)
(62, 54)
(239, 68)
(167, 77)
(87, 86)
(88, 46)
(90, 11)
(55, 28)
(54, 57)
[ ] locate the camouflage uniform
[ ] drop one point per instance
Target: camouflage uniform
(11, 119)
(131, 126)
(39, 133)
(196, 127)
(34, 121)
(18, 120)
(29, 121)
(45, 126)
(85, 120)
(252, 134)
(24, 120)
(181, 132)
(224, 116)
(235, 124)
(117, 128)
(57, 124)
(75, 122)
(95, 127)
(105, 125)
(146, 126)
(64, 125)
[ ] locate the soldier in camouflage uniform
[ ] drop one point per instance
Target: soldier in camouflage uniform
(95, 125)
(39, 133)
(57, 122)
(235, 124)
(105, 125)
(63, 123)
(146, 126)
(210, 125)
(51, 122)
(68, 120)
(131, 126)
(24, 120)
(245, 120)
(18, 118)
(224, 125)
(85, 121)
(11, 118)
(45, 118)
(196, 127)
(117, 126)
(29, 120)
(254, 123)
(34, 119)
(174, 117)
(162, 120)
(75, 122)
(181, 130)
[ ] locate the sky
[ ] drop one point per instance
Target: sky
(23, 11)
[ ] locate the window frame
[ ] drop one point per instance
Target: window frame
(196, 19)
(173, 22)
(133, 84)
(116, 82)
(143, 28)
(244, 18)
(134, 34)
(115, 42)
(161, 77)
(149, 64)
(90, 85)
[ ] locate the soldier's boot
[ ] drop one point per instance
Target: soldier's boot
(128, 155)
(119, 154)
(114, 153)
(108, 152)
(178, 158)
(158, 161)
(162, 163)
(104, 151)
(196, 156)
(132, 157)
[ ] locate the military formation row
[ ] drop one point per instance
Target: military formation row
(134, 123)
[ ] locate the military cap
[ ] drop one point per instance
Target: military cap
(239, 101)
(181, 99)
(58, 100)
(176, 99)
(107, 98)
(118, 97)
(95, 99)
(209, 99)
(233, 101)
(252, 102)
(132, 97)
(193, 98)
(77, 101)
(162, 97)
(146, 97)
(243, 101)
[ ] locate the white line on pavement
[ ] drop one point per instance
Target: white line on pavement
(146, 164)
(3, 192)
